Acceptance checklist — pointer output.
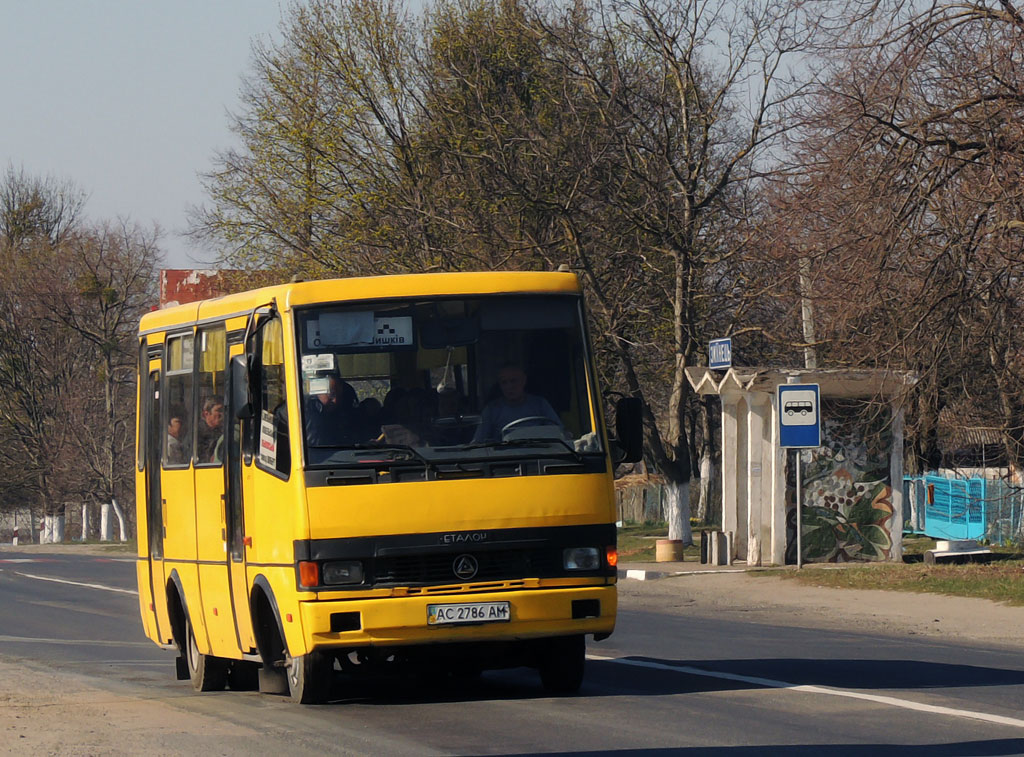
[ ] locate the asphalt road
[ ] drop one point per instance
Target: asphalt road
(663, 684)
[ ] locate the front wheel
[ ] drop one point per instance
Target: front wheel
(207, 673)
(309, 677)
(561, 663)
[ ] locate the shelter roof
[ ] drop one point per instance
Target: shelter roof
(834, 382)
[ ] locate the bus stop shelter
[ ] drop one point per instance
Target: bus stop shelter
(852, 493)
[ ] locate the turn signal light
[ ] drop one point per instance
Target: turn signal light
(611, 555)
(309, 574)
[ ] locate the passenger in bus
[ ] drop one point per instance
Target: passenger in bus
(210, 430)
(411, 416)
(331, 417)
(513, 404)
(175, 432)
(370, 413)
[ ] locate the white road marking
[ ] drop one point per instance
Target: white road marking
(76, 583)
(905, 704)
(74, 642)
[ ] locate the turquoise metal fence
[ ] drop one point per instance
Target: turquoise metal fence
(964, 508)
(947, 508)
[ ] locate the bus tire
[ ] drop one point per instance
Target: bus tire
(309, 678)
(561, 664)
(207, 673)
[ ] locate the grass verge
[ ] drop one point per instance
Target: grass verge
(1001, 580)
(637, 542)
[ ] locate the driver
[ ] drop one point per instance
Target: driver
(514, 403)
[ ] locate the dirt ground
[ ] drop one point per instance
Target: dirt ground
(59, 712)
(768, 598)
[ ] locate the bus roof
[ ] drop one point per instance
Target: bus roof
(362, 288)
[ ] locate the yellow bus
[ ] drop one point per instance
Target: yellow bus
(352, 474)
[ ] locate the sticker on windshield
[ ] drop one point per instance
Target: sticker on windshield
(312, 364)
(268, 440)
(396, 331)
(319, 386)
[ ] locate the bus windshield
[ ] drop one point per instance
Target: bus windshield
(445, 379)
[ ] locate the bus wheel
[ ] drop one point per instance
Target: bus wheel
(207, 673)
(561, 664)
(309, 677)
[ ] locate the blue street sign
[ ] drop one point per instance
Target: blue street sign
(799, 416)
(720, 354)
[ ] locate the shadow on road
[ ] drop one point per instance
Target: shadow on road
(855, 674)
(956, 749)
(633, 677)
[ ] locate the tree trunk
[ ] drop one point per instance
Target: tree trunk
(677, 510)
(106, 527)
(57, 529)
(85, 521)
(120, 518)
(707, 474)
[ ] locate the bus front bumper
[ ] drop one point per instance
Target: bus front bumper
(396, 621)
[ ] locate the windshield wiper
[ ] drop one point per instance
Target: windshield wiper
(363, 450)
(526, 442)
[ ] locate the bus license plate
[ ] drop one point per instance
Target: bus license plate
(469, 612)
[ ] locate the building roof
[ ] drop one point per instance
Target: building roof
(833, 382)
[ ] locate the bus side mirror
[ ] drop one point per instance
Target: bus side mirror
(629, 430)
(241, 399)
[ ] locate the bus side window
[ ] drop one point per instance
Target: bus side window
(211, 421)
(273, 403)
(177, 448)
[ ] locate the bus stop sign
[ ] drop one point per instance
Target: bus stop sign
(799, 416)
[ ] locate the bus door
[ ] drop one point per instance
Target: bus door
(236, 539)
(211, 492)
(155, 517)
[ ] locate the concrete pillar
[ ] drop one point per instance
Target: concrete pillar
(896, 476)
(755, 475)
(742, 527)
(729, 472)
(778, 488)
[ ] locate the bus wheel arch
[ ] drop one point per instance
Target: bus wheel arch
(177, 610)
(306, 678)
(207, 673)
(269, 634)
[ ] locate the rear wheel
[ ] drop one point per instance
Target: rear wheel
(561, 664)
(207, 673)
(309, 677)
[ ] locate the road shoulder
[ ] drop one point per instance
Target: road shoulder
(764, 597)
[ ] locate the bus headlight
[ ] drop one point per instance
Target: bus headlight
(581, 558)
(347, 572)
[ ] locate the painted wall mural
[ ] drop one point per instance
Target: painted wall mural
(847, 488)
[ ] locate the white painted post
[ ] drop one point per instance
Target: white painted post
(85, 521)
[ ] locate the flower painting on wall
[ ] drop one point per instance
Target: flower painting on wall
(846, 489)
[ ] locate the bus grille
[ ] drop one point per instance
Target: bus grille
(497, 565)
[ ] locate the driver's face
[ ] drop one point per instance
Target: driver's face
(331, 398)
(513, 383)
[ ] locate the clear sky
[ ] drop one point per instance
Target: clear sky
(127, 98)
